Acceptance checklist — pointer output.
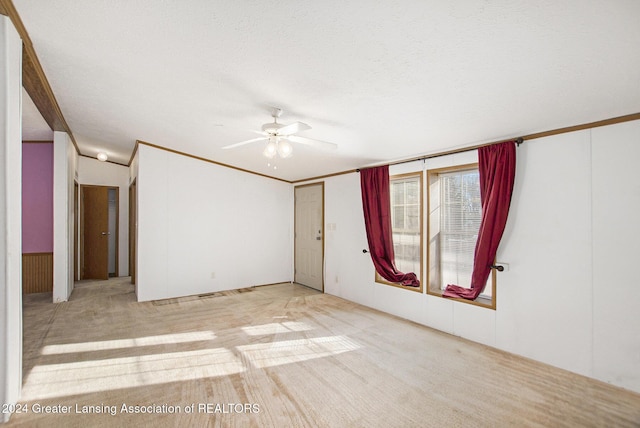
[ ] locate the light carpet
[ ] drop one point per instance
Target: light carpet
(281, 356)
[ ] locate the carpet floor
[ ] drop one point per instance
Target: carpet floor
(280, 356)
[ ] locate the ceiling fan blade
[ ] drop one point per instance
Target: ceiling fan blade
(325, 145)
(242, 143)
(293, 128)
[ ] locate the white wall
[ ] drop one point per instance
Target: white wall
(571, 297)
(10, 214)
(92, 171)
(65, 171)
(204, 228)
(616, 249)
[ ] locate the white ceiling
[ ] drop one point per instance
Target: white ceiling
(384, 80)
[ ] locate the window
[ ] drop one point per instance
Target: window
(406, 223)
(455, 212)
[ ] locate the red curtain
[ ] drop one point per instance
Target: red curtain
(376, 203)
(497, 167)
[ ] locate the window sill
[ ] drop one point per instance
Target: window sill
(380, 280)
(482, 302)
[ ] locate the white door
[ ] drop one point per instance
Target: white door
(309, 235)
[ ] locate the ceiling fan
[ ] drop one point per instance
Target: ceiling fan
(279, 137)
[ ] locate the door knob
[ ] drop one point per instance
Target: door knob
(104, 233)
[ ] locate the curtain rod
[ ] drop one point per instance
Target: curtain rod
(518, 141)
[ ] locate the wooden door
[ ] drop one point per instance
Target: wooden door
(309, 235)
(95, 233)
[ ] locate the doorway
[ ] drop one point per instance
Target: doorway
(99, 232)
(309, 235)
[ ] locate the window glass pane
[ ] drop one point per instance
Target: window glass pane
(455, 213)
(397, 193)
(460, 215)
(413, 217)
(407, 251)
(413, 192)
(405, 219)
(398, 217)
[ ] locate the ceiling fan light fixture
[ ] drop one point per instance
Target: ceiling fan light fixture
(271, 149)
(284, 149)
(279, 138)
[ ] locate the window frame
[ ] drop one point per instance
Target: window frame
(400, 177)
(434, 289)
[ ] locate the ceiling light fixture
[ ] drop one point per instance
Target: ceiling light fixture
(102, 156)
(277, 146)
(284, 148)
(271, 149)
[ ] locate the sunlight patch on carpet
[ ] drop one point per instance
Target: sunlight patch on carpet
(292, 351)
(82, 377)
(163, 339)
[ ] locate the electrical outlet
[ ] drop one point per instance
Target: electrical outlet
(336, 279)
(213, 275)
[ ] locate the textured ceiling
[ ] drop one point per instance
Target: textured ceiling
(384, 80)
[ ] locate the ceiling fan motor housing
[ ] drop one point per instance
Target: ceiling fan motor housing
(271, 128)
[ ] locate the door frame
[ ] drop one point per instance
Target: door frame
(117, 231)
(295, 241)
(76, 227)
(133, 222)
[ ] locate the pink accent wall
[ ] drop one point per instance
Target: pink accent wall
(37, 198)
